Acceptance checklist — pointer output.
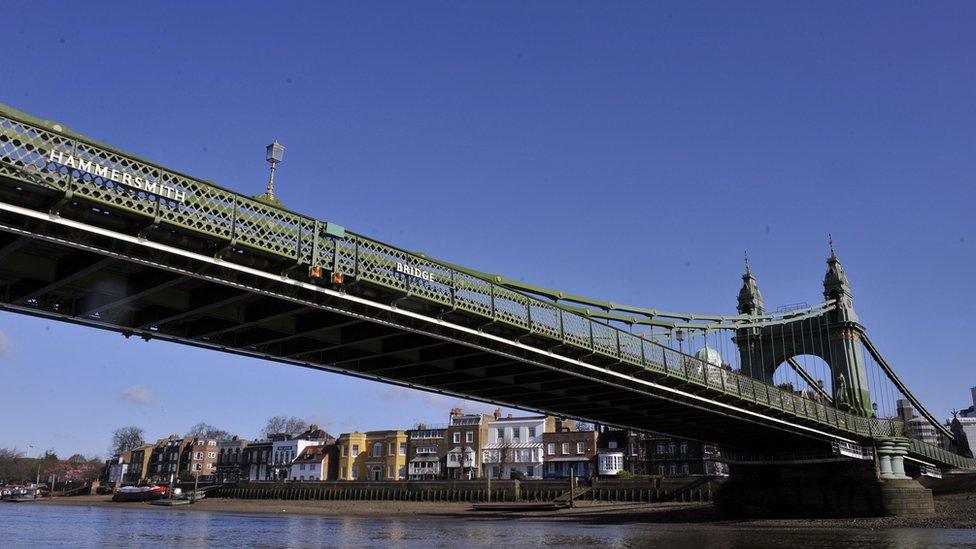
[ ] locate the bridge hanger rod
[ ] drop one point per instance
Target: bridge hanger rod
(747, 322)
(890, 372)
(608, 306)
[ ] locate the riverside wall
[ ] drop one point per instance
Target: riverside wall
(647, 489)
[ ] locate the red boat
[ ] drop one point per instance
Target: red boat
(139, 493)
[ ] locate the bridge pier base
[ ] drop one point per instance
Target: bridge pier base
(807, 490)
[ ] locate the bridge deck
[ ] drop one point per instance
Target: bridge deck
(222, 271)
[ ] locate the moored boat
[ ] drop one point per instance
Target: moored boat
(139, 493)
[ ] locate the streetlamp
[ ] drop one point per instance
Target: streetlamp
(275, 153)
(680, 336)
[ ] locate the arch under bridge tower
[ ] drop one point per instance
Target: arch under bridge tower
(833, 335)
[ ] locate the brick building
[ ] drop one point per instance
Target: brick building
(426, 452)
(569, 452)
(466, 435)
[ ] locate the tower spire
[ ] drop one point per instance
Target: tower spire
(750, 298)
(830, 242)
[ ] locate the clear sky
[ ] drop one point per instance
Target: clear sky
(627, 151)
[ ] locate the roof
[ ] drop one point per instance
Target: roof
(458, 450)
(568, 458)
(516, 445)
(311, 454)
(521, 418)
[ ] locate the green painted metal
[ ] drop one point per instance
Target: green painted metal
(799, 369)
(26, 142)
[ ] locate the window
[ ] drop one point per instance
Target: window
(389, 448)
(672, 447)
(211, 455)
(660, 448)
(355, 474)
(565, 448)
(674, 469)
(501, 434)
(403, 471)
(403, 448)
(342, 473)
(612, 444)
(660, 470)
(343, 450)
(469, 436)
(516, 433)
(389, 472)
(457, 437)
(551, 448)
(684, 448)
(355, 450)
(198, 455)
(684, 468)
(531, 431)
(377, 449)
(580, 447)
(198, 467)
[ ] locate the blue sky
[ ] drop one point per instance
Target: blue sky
(629, 152)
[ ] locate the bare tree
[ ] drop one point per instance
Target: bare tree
(284, 425)
(205, 430)
(125, 439)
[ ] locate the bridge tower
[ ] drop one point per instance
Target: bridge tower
(833, 336)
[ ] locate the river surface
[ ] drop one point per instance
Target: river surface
(29, 525)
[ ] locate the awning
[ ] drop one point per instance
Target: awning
(512, 445)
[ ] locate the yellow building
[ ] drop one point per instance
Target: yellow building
(374, 455)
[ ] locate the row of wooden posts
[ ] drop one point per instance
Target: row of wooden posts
(699, 494)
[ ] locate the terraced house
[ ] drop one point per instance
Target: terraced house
(426, 452)
(374, 455)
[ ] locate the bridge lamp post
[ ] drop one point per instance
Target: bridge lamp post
(275, 154)
(680, 336)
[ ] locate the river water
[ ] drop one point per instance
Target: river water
(29, 525)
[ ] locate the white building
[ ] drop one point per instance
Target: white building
(284, 452)
(311, 464)
(967, 420)
(514, 444)
(608, 464)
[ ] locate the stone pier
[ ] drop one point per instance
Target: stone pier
(850, 488)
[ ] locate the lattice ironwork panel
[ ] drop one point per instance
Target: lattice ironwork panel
(207, 209)
(346, 250)
(511, 307)
(604, 339)
(378, 264)
(576, 330)
(306, 227)
(545, 318)
(24, 150)
(473, 294)
(111, 178)
(271, 229)
(653, 355)
(630, 348)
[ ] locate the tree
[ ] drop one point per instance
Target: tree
(205, 430)
(125, 439)
(284, 425)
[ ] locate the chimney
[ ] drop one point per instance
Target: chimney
(497, 413)
(559, 424)
(456, 411)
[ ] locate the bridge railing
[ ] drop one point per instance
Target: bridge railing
(34, 151)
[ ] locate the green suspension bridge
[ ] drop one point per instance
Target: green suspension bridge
(95, 236)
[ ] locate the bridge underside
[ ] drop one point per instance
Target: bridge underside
(106, 269)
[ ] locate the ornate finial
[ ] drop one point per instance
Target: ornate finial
(830, 241)
(746, 254)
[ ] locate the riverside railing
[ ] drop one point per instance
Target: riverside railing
(45, 154)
